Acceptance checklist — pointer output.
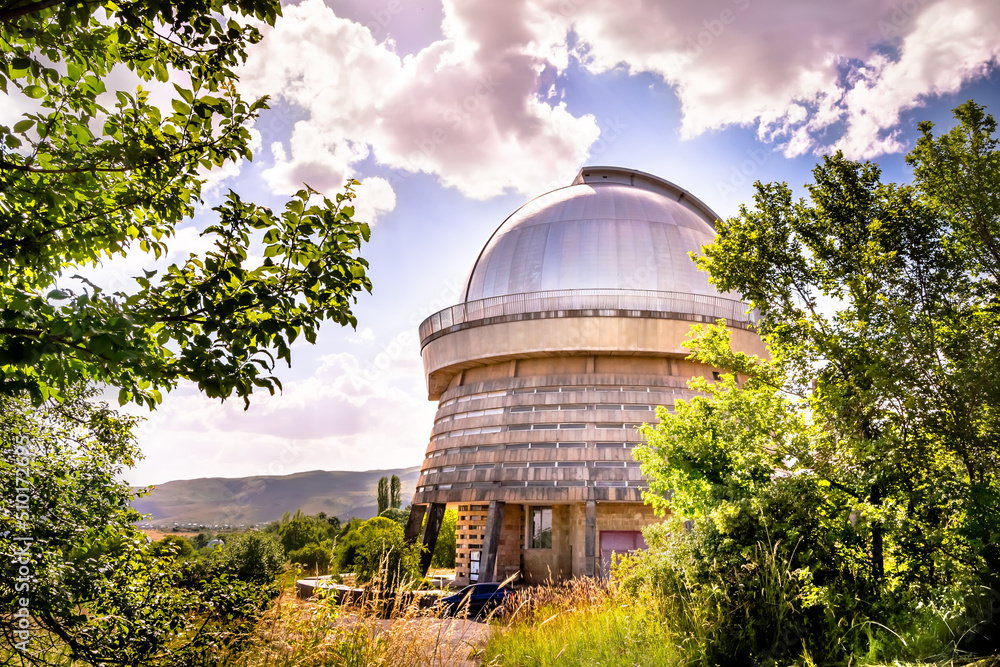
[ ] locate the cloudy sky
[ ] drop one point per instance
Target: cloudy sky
(456, 112)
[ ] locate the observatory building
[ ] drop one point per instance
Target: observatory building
(567, 336)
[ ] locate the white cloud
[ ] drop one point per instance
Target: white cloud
(795, 69)
(375, 197)
(950, 44)
(474, 108)
(465, 108)
(351, 414)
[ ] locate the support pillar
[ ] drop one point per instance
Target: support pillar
(488, 560)
(435, 515)
(590, 540)
(412, 531)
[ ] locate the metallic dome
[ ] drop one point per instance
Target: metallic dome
(611, 229)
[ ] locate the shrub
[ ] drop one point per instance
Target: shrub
(347, 545)
(765, 581)
(253, 557)
(299, 532)
(382, 547)
(171, 545)
(313, 557)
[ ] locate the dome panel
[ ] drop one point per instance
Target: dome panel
(598, 234)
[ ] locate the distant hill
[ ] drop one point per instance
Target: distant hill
(247, 500)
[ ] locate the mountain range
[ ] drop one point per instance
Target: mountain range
(251, 500)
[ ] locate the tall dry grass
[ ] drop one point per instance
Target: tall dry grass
(379, 628)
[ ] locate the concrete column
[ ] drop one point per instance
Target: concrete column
(416, 521)
(590, 540)
(488, 560)
(431, 529)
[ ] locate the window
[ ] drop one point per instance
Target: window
(541, 528)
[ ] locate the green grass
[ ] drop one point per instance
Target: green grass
(609, 634)
(582, 623)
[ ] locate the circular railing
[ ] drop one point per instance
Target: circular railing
(608, 302)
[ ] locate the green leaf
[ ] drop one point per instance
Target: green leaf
(23, 125)
(100, 344)
(160, 71)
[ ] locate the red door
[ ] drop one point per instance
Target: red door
(618, 542)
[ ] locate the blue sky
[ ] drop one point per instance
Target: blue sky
(455, 113)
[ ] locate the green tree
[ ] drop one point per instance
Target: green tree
(446, 547)
(400, 516)
(172, 545)
(95, 591)
(384, 556)
(383, 494)
(347, 544)
(314, 557)
(299, 532)
(395, 491)
(906, 367)
(90, 175)
(84, 180)
(878, 307)
(253, 557)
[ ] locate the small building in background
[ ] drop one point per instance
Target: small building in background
(567, 337)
